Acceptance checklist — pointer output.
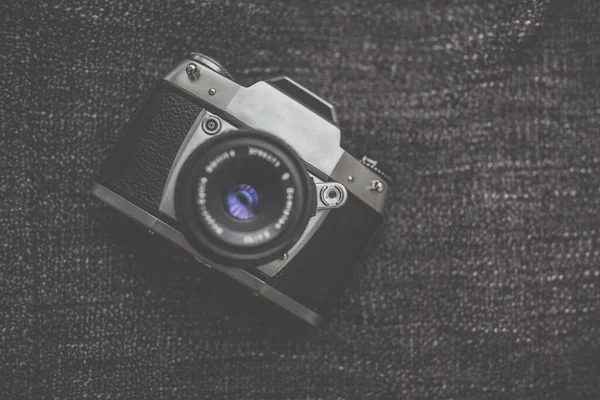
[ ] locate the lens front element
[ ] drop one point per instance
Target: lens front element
(243, 198)
(242, 202)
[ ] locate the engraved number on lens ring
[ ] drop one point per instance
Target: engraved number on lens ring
(332, 195)
(211, 125)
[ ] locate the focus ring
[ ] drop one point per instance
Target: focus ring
(259, 168)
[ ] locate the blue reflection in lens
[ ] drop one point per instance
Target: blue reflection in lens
(242, 202)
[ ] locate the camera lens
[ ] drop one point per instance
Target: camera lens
(243, 198)
(242, 202)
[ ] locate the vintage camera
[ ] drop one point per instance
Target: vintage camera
(251, 181)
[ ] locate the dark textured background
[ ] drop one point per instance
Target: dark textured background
(486, 284)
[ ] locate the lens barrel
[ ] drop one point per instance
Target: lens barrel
(243, 198)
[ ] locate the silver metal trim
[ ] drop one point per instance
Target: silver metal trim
(274, 267)
(310, 93)
(323, 208)
(370, 161)
(211, 129)
(264, 107)
(330, 195)
(193, 71)
(252, 282)
(358, 180)
(195, 137)
(377, 186)
(200, 88)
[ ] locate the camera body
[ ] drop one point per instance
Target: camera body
(251, 181)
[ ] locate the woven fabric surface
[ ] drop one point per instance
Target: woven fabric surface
(484, 285)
